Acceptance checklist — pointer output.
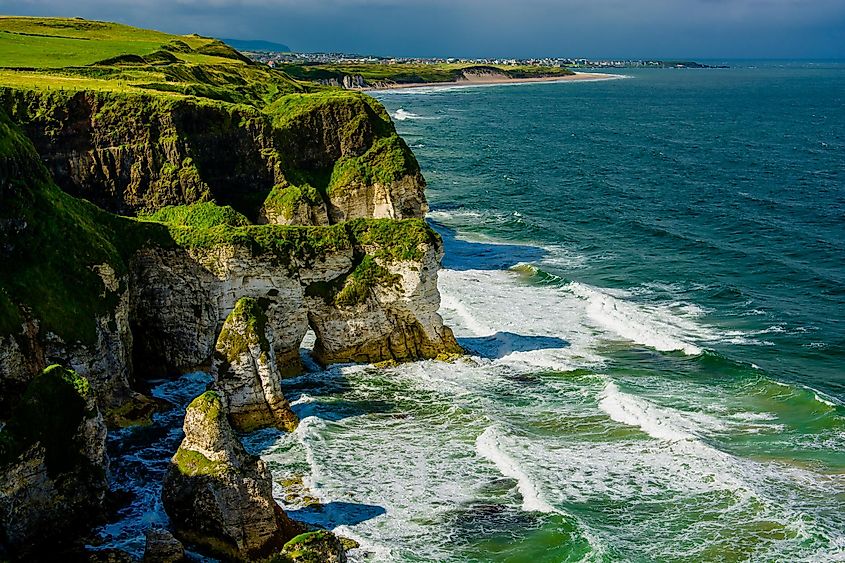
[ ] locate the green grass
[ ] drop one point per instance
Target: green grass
(61, 42)
(76, 54)
(386, 161)
(201, 215)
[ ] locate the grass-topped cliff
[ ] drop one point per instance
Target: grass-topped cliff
(148, 184)
(134, 120)
(114, 139)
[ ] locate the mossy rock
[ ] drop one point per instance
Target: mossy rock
(319, 546)
(209, 403)
(136, 411)
(192, 464)
(233, 343)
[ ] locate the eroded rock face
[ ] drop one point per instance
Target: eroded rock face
(395, 319)
(246, 373)
(182, 299)
(53, 464)
(218, 496)
(128, 153)
(399, 199)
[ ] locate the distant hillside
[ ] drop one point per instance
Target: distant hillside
(256, 45)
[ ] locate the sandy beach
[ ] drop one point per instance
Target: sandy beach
(483, 80)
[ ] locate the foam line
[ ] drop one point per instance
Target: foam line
(488, 445)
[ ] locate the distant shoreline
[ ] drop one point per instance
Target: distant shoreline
(481, 81)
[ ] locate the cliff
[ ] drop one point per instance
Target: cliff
(146, 193)
(94, 290)
(357, 76)
(305, 159)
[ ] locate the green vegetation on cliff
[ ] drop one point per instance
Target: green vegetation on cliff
(232, 342)
(135, 120)
(76, 54)
(200, 215)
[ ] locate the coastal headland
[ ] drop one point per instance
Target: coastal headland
(168, 205)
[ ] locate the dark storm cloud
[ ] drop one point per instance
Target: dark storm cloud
(595, 28)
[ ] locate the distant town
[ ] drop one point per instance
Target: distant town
(272, 59)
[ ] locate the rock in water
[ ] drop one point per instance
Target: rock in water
(53, 464)
(246, 373)
(217, 495)
(320, 545)
(162, 547)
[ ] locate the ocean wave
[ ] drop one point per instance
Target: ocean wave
(489, 447)
(658, 329)
(403, 115)
(658, 422)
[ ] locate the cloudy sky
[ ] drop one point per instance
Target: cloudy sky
(522, 28)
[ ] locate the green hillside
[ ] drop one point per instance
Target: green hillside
(76, 54)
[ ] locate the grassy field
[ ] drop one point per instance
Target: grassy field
(383, 73)
(77, 54)
(60, 42)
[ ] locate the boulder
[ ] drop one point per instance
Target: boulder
(162, 547)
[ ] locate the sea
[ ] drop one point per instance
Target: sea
(649, 274)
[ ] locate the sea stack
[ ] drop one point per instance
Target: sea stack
(246, 373)
(219, 497)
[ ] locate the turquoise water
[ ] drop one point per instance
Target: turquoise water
(650, 273)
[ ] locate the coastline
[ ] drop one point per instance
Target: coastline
(482, 81)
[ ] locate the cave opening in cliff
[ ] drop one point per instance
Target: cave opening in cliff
(306, 350)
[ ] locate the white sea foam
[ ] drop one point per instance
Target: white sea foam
(403, 115)
(825, 399)
(658, 422)
(658, 329)
(754, 416)
(489, 446)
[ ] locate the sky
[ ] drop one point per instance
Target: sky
(699, 29)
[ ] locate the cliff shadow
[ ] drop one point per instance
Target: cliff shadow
(469, 255)
(333, 514)
(502, 344)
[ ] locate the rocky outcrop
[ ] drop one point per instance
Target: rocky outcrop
(53, 464)
(245, 371)
(367, 289)
(385, 310)
(346, 81)
(218, 496)
(162, 547)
